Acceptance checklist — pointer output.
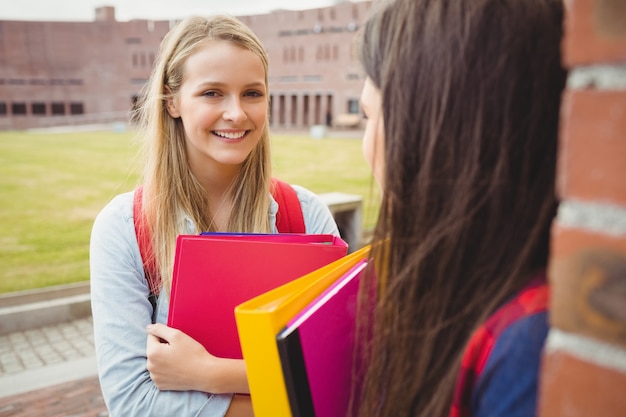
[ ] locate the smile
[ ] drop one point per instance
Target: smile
(231, 135)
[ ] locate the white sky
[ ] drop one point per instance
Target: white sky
(84, 10)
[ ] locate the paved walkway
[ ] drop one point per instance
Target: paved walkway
(50, 372)
(80, 398)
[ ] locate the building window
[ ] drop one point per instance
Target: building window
(58, 109)
(133, 40)
(335, 52)
(38, 109)
(353, 106)
(17, 81)
(134, 59)
(57, 81)
(37, 81)
(3, 109)
(300, 54)
(76, 108)
(18, 109)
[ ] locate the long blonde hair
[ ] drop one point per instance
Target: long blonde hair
(170, 188)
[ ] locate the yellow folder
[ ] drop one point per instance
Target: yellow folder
(260, 319)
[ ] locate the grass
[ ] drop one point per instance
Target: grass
(52, 185)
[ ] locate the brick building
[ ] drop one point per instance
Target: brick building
(57, 73)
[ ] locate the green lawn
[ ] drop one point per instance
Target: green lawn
(52, 185)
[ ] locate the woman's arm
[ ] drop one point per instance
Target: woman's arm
(241, 406)
(121, 311)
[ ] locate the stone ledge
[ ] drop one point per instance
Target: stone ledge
(24, 310)
(43, 294)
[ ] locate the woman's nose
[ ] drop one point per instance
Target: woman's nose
(234, 111)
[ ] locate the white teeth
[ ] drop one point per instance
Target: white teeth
(229, 135)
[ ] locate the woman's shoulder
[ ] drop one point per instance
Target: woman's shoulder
(532, 299)
(117, 211)
(317, 215)
(309, 201)
(500, 366)
(305, 195)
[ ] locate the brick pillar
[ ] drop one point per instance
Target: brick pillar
(584, 368)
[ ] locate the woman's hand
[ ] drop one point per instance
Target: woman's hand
(177, 362)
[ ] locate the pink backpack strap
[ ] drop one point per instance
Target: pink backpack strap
(289, 218)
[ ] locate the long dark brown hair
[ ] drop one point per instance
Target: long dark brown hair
(470, 96)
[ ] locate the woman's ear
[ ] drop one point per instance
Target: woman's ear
(170, 103)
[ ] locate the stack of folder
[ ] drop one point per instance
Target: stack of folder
(215, 272)
(298, 341)
(285, 303)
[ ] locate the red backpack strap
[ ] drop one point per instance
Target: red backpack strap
(145, 244)
(289, 218)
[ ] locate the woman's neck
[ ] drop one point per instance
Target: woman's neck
(219, 193)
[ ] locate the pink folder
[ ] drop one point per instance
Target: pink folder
(216, 272)
(316, 350)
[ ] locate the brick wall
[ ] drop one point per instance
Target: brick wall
(45, 67)
(584, 369)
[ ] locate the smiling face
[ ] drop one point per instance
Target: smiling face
(374, 135)
(223, 106)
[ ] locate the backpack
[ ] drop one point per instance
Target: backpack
(289, 219)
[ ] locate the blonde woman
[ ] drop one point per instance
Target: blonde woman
(204, 118)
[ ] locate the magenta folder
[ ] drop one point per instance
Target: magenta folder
(214, 273)
(317, 348)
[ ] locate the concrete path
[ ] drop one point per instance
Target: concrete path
(37, 358)
(50, 371)
(47, 358)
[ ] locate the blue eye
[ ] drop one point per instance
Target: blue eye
(210, 93)
(253, 94)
